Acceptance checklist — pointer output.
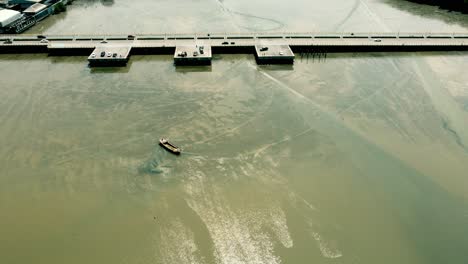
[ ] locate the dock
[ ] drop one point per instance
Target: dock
(109, 55)
(186, 47)
(192, 55)
(274, 54)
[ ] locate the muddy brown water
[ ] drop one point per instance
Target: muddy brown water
(352, 158)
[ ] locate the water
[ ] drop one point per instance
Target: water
(356, 158)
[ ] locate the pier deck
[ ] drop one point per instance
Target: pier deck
(274, 54)
(239, 42)
(192, 55)
(109, 55)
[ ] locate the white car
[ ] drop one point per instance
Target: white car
(109, 54)
(93, 55)
(44, 41)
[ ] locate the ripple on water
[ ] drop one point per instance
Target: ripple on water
(327, 248)
(178, 244)
(239, 235)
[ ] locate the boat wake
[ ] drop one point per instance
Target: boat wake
(276, 24)
(326, 249)
(238, 233)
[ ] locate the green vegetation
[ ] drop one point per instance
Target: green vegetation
(458, 5)
(59, 7)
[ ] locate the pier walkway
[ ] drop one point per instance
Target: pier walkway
(235, 42)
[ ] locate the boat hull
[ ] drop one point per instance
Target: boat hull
(169, 147)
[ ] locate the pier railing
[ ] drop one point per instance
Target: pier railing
(241, 42)
(257, 35)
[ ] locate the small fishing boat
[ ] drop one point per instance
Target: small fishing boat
(168, 146)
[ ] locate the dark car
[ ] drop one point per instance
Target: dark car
(130, 37)
(41, 37)
(8, 41)
(225, 43)
(114, 55)
(103, 54)
(263, 48)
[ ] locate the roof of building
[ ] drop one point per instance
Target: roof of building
(7, 14)
(35, 8)
(24, 1)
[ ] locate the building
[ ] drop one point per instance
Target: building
(38, 11)
(8, 17)
(34, 9)
(23, 14)
(23, 4)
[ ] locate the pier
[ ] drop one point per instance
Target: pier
(280, 47)
(192, 55)
(274, 54)
(109, 55)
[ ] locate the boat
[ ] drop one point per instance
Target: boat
(168, 146)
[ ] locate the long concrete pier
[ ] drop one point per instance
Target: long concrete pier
(248, 43)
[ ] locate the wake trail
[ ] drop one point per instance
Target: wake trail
(364, 99)
(231, 12)
(369, 13)
(348, 16)
(374, 17)
(285, 139)
(227, 131)
(231, 130)
(286, 87)
(279, 24)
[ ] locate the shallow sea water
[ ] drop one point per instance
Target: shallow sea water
(348, 158)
